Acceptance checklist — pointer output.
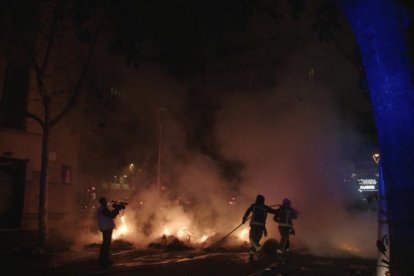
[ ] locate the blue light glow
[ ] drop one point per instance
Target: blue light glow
(379, 27)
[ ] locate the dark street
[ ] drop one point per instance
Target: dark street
(221, 261)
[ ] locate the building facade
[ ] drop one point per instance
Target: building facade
(20, 151)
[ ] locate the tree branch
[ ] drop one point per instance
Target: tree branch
(39, 77)
(51, 37)
(357, 65)
(60, 91)
(72, 100)
(36, 118)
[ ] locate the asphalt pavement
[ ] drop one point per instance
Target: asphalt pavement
(25, 258)
(199, 262)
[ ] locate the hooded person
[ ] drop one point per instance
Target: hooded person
(257, 223)
(284, 217)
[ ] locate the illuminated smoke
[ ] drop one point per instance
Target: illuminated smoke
(289, 135)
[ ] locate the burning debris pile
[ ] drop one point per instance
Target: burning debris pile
(169, 243)
(171, 229)
(179, 241)
(213, 242)
(221, 242)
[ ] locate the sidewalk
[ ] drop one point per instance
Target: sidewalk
(21, 254)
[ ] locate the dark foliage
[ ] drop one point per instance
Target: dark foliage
(184, 35)
(326, 20)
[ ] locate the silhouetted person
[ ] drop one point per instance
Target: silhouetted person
(284, 216)
(257, 223)
(106, 225)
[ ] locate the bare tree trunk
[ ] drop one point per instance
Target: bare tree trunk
(50, 120)
(43, 191)
(47, 124)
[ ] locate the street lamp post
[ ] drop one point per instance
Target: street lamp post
(383, 244)
(159, 110)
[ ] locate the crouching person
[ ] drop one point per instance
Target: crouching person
(106, 225)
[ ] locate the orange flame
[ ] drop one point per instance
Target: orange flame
(121, 230)
(244, 234)
(203, 238)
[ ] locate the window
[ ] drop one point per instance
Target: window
(66, 174)
(14, 96)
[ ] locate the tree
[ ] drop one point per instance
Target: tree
(379, 27)
(185, 36)
(41, 33)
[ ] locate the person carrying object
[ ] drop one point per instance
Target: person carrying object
(284, 217)
(257, 223)
(106, 225)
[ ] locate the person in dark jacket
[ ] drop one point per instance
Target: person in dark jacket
(106, 225)
(284, 217)
(257, 223)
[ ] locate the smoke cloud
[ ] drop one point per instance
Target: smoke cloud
(289, 135)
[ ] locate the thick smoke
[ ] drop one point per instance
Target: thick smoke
(289, 134)
(294, 142)
(297, 154)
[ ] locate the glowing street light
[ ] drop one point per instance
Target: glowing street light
(383, 242)
(376, 158)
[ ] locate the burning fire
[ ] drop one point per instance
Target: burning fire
(203, 239)
(166, 231)
(122, 229)
(244, 234)
(184, 233)
(180, 228)
(350, 248)
(179, 231)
